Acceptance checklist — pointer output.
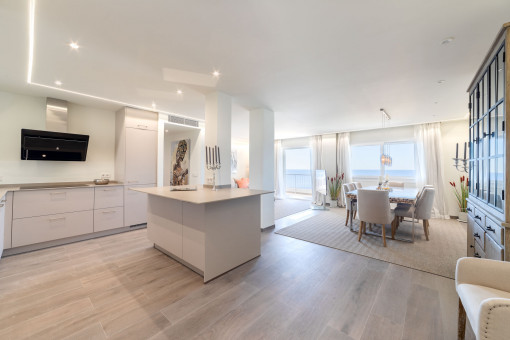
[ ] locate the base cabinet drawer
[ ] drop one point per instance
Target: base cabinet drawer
(495, 231)
(32, 230)
(493, 250)
(479, 235)
(135, 205)
(470, 238)
(108, 196)
(109, 218)
(30, 203)
(479, 251)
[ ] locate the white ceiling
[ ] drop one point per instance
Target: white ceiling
(321, 65)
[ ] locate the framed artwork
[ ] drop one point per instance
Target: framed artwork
(233, 161)
(180, 155)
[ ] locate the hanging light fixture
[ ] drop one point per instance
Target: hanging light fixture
(385, 156)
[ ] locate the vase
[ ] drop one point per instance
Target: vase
(333, 201)
(462, 216)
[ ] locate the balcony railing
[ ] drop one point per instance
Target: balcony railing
(298, 183)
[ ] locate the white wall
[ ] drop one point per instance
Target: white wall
(196, 164)
(451, 133)
(20, 111)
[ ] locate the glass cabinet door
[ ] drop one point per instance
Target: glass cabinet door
(500, 75)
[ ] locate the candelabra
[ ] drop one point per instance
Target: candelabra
(464, 166)
(213, 161)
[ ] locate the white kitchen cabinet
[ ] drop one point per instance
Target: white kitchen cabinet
(135, 205)
(141, 156)
(140, 119)
(38, 229)
(108, 218)
(30, 203)
(2, 222)
(7, 201)
(108, 196)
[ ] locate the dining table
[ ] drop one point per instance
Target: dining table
(407, 196)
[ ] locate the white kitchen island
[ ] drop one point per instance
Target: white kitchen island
(210, 232)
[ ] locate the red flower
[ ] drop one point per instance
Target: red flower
(467, 181)
(452, 184)
(342, 175)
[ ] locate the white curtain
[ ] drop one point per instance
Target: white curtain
(343, 159)
(429, 163)
(316, 165)
(279, 182)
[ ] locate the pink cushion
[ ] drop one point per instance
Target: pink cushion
(242, 182)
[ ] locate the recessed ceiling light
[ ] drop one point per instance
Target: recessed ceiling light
(153, 105)
(58, 83)
(179, 92)
(166, 130)
(441, 81)
(447, 40)
(216, 74)
(74, 45)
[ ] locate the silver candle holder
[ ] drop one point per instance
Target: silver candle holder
(213, 161)
(461, 164)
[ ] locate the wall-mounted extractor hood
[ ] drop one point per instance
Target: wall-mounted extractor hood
(57, 144)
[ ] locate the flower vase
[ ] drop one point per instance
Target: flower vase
(462, 216)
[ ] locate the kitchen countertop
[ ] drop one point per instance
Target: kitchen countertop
(202, 195)
(57, 185)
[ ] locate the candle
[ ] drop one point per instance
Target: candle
(457, 152)
(210, 159)
(380, 179)
(465, 150)
(219, 159)
(387, 177)
(206, 156)
(216, 154)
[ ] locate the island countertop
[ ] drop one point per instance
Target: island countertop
(202, 195)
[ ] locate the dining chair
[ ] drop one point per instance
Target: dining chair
(422, 210)
(483, 287)
(394, 184)
(374, 207)
(358, 185)
(346, 189)
(407, 206)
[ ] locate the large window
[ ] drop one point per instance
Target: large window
(298, 179)
(366, 160)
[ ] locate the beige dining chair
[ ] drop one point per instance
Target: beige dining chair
(393, 184)
(358, 185)
(483, 287)
(423, 210)
(346, 189)
(374, 207)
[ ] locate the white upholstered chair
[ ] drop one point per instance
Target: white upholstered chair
(483, 287)
(358, 185)
(423, 210)
(346, 188)
(374, 208)
(394, 184)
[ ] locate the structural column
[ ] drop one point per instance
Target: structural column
(218, 118)
(262, 161)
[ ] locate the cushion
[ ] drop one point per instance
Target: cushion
(472, 297)
(242, 182)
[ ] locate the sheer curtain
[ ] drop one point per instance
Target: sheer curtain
(343, 159)
(429, 163)
(279, 182)
(316, 165)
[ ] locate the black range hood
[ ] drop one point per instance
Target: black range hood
(53, 146)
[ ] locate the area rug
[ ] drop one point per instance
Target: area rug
(437, 256)
(288, 207)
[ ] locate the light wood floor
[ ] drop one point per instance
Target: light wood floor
(119, 287)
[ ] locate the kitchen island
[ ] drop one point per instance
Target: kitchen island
(211, 232)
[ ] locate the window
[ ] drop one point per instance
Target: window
(366, 160)
(298, 179)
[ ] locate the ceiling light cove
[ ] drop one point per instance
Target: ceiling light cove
(74, 45)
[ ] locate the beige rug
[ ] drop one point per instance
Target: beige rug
(437, 256)
(289, 206)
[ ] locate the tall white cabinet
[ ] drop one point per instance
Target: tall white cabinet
(136, 143)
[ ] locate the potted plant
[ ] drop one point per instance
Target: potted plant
(335, 187)
(461, 195)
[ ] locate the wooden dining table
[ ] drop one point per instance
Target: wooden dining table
(396, 195)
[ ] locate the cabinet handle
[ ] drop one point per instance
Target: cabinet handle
(477, 255)
(469, 209)
(109, 212)
(108, 189)
(471, 246)
(56, 219)
(132, 181)
(58, 193)
(478, 217)
(476, 235)
(489, 228)
(142, 126)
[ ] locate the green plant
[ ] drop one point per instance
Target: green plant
(461, 194)
(335, 186)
